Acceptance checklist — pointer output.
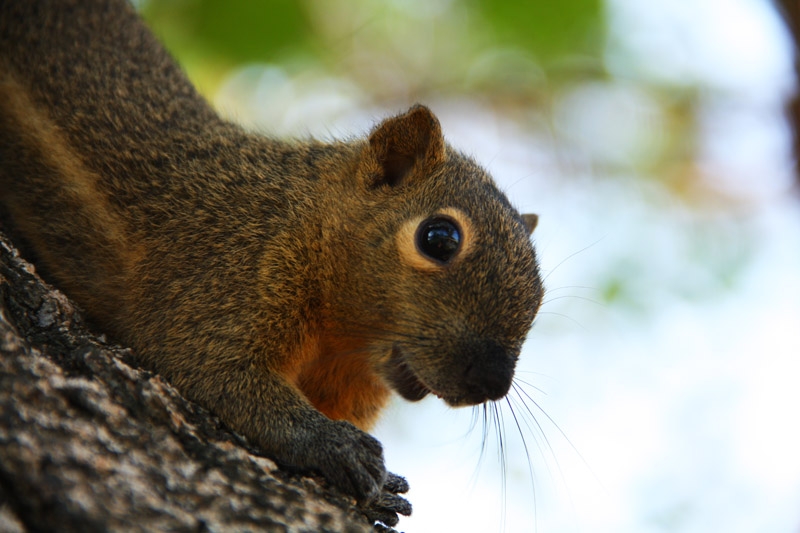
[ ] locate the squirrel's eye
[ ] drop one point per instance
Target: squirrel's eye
(438, 238)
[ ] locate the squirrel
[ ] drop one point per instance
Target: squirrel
(287, 286)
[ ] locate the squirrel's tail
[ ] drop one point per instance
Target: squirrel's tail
(53, 203)
(64, 129)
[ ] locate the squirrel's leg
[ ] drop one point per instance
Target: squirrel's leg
(273, 414)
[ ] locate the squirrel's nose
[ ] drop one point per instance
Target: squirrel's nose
(488, 371)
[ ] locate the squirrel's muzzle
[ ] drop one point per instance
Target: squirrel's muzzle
(474, 372)
(487, 372)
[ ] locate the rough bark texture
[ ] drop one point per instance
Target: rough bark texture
(88, 442)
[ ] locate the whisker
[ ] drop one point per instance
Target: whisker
(480, 412)
(528, 457)
(570, 256)
(562, 315)
(540, 430)
(499, 428)
(565, 287)
(522, 391)
(529, 384)
(582, 298)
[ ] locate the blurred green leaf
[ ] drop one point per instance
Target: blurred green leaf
(549, 30)
(238, 30)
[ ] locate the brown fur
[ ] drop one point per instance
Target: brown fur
(263, 278)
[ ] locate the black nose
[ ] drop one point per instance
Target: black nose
(488, 370)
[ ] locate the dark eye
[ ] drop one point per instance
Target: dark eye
(438, 238)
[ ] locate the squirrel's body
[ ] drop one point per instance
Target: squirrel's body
(268, 280)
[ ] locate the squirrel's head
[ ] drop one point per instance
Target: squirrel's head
(443, 281)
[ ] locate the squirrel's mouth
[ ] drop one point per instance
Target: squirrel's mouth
(403, 379)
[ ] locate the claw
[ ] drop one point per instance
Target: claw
(395, 484)
(389, 504)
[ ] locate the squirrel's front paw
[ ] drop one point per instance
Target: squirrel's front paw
(388, 504)
(349, 459)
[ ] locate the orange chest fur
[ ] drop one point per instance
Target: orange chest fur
(338, 379)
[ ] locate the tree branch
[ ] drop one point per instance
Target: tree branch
(88, 442)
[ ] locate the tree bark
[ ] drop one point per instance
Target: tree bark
(89, 442)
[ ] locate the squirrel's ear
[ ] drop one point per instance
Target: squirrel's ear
(530, 220)
(402, 144)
